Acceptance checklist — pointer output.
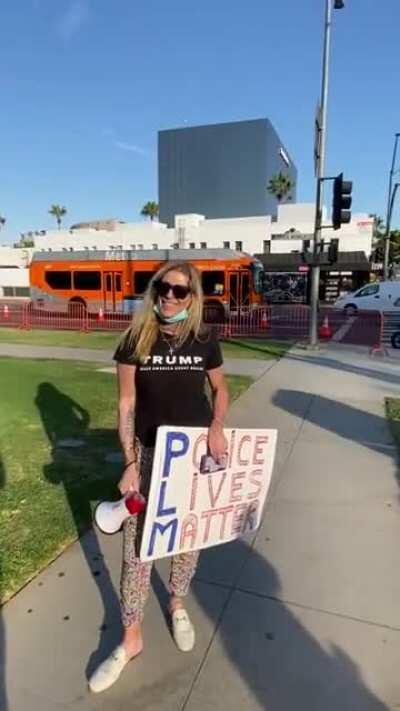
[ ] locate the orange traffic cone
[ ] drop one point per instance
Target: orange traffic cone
(325, 330)
(264, 320)
(6, 312)
(101, 314)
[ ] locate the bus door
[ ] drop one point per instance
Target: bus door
(239, 290)
(112, 287)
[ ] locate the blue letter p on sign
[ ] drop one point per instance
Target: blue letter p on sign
(171, 451)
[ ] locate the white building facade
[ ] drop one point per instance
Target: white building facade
(277, 242)
(254, 235)
(14, 272)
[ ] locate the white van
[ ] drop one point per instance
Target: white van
(379, 296)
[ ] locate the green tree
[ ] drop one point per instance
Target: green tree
(2, 221)
(378, 251)
(280, 185)
(378, 228)
(58, 212)
(150, 209)
(25, 242)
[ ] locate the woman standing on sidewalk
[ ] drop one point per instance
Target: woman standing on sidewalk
(162, 364)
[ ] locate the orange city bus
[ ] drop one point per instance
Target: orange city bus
(115, 280)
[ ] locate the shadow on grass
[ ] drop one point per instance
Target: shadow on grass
(86, 478)
(3, 691)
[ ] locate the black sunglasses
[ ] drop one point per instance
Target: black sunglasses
(179, 291)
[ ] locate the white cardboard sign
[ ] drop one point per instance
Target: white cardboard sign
(195, 503)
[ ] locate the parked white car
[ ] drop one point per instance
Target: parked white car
(379, 296)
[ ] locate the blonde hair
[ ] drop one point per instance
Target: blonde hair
(144, 330)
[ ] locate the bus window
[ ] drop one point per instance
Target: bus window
(118, 282)
(213, 283)
(58, 280)
(141, 280)
(258, 277)
(108, 282)
(87, 280)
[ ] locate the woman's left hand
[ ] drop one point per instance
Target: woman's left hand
(217, 443)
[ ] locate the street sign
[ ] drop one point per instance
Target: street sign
(317, 138)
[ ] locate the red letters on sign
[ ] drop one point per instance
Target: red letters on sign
(224, 513)
(232, 447)
(238, 519)
(260, 440)
(243, 462)
(189, 530)
(214, 496)
(254, 478)
(196, 458)
(236, 486)
(193, 494)
(207, 515)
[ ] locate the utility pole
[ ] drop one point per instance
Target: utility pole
(389, 211)
(315, 272)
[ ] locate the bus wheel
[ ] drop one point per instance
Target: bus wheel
(350, 310)
(77, 307)
(396, 340)
(213, 312)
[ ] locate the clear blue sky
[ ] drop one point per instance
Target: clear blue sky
(86, 85)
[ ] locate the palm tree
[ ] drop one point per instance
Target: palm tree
(58, 212)
(378, 228)
(150, 209)
(378, 248)
(2, 221)
(280, 185)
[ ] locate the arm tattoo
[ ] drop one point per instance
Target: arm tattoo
(127, 432)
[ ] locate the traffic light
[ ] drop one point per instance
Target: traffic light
(305, 252)
(341, 214)
(333, 251)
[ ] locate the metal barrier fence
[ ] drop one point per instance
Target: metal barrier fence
(25, 316)
(391, 329)
(279, 322)
(11, 314)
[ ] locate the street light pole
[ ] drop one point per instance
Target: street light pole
(389, 210)
(315, 273)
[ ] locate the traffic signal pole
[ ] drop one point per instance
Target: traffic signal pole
(315, 272)
(389, 212)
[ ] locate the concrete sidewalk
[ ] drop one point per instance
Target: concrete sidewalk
(306, 615)
(252, 367)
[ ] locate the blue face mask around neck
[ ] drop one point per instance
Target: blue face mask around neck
(177, 318)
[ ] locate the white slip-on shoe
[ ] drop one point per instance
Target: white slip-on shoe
(109, 671)
(182, 630)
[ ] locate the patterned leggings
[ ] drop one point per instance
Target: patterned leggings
(135, 577)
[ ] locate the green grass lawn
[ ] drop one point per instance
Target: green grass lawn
(392, 406)
(47, 492)
(255, 348)
(238, 348)
(71, 339)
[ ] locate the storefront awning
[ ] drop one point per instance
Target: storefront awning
(347, 261)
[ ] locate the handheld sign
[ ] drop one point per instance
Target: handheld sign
(196, 503)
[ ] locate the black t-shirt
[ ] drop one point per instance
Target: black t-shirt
(170, 387)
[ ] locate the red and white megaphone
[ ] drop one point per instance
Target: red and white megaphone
(110, 515)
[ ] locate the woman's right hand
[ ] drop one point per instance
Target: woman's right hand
(130, 479)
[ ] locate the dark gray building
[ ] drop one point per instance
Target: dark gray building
(221, 170)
